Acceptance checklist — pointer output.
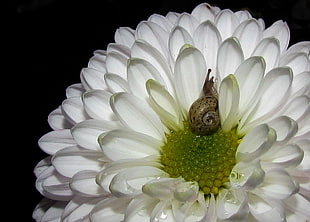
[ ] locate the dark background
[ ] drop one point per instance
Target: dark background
(48, 42)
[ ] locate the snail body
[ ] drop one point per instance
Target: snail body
(204, 116)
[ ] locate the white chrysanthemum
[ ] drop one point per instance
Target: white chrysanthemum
(121, 148)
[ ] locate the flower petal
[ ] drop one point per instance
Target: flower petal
(137, 115)
(249, 34)
(126, 144)
(110, 210)
(229, 102)
(130, 181)
(249, 75)
(141, 49)
(285, 128)
(56, 140)
(154, 35)
(139, 71)
(278, 184)
(298, 62)
(229, 57)
(190, 72)
(73, 159)
(298, 203)
(281, 31)
(125, 36)
(274, 90)
(117, 63)
(116, 83)
(83, 184)
(263, 210)
(255, 143)
(188, 22)
(164, 105)
(57, 120)
(247, 175)
(96, 104)
(280, 156)
(269, 49)
(232, 205)
(86, 133)
(226, 22)
(73, 110)
(92, 79)
(97, 62)
(177, 39)
(207, 38)
(204, 12)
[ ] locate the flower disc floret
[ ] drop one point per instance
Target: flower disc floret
(207, 160)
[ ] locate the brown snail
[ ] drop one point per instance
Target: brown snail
(204, 116)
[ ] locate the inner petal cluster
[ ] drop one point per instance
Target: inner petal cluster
(208, 160)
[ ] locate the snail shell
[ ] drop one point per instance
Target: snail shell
(203, 114)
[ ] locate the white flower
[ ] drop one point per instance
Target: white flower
(121, 148)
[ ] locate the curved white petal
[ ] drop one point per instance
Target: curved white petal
(285, 128)
(116, 83)
(273, 93)
(264, 210)
(119, 48)
(126, 144)
(298, 203)
(96, 104)
(249, 33)
(55, 141)
(229, 102)
(249, 76)
(232, 205)
(189, 75)
(140, 209)
(130, 181)
(53, 185)
(229, 57)
(283, 156)
(226, 22)
(207, 39)
(109, 210)
(117, 63)
(97, 62)
(154, 35)
(49, 210)
(301, 84)
(297, 108)
(86, 133)
(247, 175)
(177, 39)
(278, 184)
(73, 159)
(137, 115)
(143, 50)
(281, 31)
(92, 79)
(84, 184)
(73, 110)
(269, 49)
(139, 72)
(255, 143)
(164, 105)
(204, 12)
(75, 90)
(304, 166)
(298, 62)
(188, 22)
(162, 21)
(125, 36)
(57, 120)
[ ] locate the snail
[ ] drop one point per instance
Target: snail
(204, 116)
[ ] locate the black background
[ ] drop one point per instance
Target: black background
(48, 42)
